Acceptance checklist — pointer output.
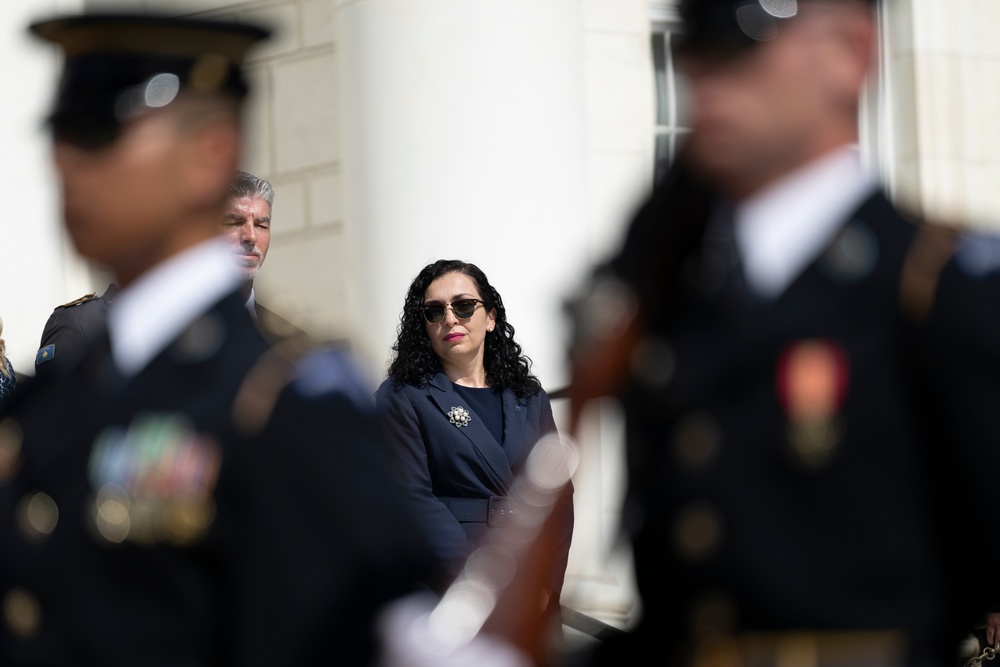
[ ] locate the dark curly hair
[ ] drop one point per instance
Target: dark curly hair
(414, 361)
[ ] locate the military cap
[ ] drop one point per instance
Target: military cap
(119, 66)
(730, 27)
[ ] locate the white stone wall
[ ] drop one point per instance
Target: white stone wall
(944, 62)
(620, 107)
(293, 138)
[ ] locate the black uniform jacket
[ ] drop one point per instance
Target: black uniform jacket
(73, 327)
(275, 328)
(211, 510)
(70, 330)
(825, 461)
(451, 472)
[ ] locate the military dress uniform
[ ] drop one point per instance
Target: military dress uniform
(185, 495)
(218, 505)
(74, 326)
(809, 474)
(70, 329)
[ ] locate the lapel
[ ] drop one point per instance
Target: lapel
(847, 259)
(446, 398)
(198, 344)
(197, 347)
(514, 423)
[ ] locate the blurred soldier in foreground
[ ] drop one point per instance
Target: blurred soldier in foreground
(247, 224)
(183, 496)
(810, 381)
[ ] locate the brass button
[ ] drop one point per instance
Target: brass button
(202, 339)
(696, 441)
(713, 615)
(853, 254)
(653, 362)
(10, 448)
(112, 517)
(22, 612)
(698, 531)
(37, 515)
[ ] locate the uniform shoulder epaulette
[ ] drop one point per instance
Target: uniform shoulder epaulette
(932, 248)
(262, 385)
(312, 371)
(82, 300)
(978, 254)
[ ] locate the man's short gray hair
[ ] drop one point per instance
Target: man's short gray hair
(247, 185)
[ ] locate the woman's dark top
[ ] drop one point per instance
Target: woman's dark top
(487, 405)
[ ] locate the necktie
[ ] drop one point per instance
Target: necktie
(720, 271)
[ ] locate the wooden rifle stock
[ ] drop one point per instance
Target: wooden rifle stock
(525, 614)
(612, 317)
(600, 366)
(502, 590)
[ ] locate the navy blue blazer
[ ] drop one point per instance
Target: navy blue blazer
(440, 464)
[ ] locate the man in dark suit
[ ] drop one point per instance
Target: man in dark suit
(809, 379)
(184, 495)
(247, 224)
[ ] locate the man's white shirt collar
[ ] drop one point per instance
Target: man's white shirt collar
(161, 303)
(782, 229)
(251, 303)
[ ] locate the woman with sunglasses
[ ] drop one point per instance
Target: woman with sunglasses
(463, 410)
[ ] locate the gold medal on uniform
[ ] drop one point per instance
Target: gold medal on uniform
(154, 481)
(812, 380)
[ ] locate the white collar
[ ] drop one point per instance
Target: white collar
(251, 303)
(153, 310)
(780, 230)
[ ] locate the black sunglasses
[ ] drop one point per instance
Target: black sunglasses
(463, 309)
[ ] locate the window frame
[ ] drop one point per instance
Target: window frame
(876, 125)
(665, 21)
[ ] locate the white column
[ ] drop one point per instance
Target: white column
(464, 136)
(944, 61)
